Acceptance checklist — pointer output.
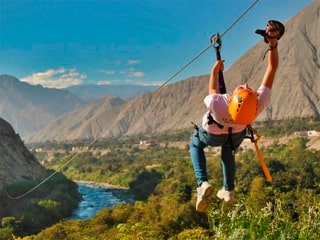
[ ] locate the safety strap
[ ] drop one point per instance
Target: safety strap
(230, 140)
(253, 132)
(217, 44)
(211, 120)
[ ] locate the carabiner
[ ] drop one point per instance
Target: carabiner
(216, 41)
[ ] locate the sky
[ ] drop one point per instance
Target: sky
(62, 43)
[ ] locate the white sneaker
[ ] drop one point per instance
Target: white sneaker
(204, 193)
(227, 196)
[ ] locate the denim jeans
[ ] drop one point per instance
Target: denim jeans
(201, 139)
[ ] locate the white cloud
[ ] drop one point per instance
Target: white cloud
(104, 82)
(119, 72)
(136, 74)
(108, 72)
(133, 62)
(56, 78)
(142, 83)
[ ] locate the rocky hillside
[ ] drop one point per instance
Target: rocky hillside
(16, 161)
(86, 122)
(296, 91)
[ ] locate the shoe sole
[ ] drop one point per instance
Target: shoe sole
(231, 199)
(203, 204)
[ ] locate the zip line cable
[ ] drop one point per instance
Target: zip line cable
(47, 178)
(206, 49)
(181, 69)
(239, 18)
(161, 86)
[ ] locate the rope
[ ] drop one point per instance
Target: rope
(162, 85)
(47, 178)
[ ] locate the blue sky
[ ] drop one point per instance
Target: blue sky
(60, 43)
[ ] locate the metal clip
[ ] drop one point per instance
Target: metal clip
(216, 41)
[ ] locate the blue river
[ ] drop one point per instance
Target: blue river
(94, 199)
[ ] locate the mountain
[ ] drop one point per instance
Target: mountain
(16, 162)
(296, 90)
(29, 108)
(87, 122)
(145, 113)
(90, 93)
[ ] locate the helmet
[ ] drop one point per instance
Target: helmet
(243, 106)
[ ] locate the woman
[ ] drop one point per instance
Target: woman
(224, 124)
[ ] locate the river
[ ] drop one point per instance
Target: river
(95, 198)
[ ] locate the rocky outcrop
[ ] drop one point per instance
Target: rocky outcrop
(17, 163)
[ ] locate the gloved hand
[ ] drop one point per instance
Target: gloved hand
(274, 31)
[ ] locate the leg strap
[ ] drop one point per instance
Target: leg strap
(230, 139)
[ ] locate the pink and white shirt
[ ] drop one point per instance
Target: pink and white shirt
(217, 105)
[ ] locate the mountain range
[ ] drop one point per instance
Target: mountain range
(296, 92)
(29, 108)
(91, 92)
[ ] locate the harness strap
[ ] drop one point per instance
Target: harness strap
(259, 154)
(230, 140)
(211, 120)
(196, 128)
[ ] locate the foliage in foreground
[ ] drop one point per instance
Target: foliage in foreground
(25, 213)
(163, 183)
(287, 209)
(239, 221)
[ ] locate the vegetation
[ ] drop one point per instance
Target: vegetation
(163, 183)
(24, 213)
(283, 128)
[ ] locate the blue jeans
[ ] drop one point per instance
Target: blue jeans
(201, 139)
